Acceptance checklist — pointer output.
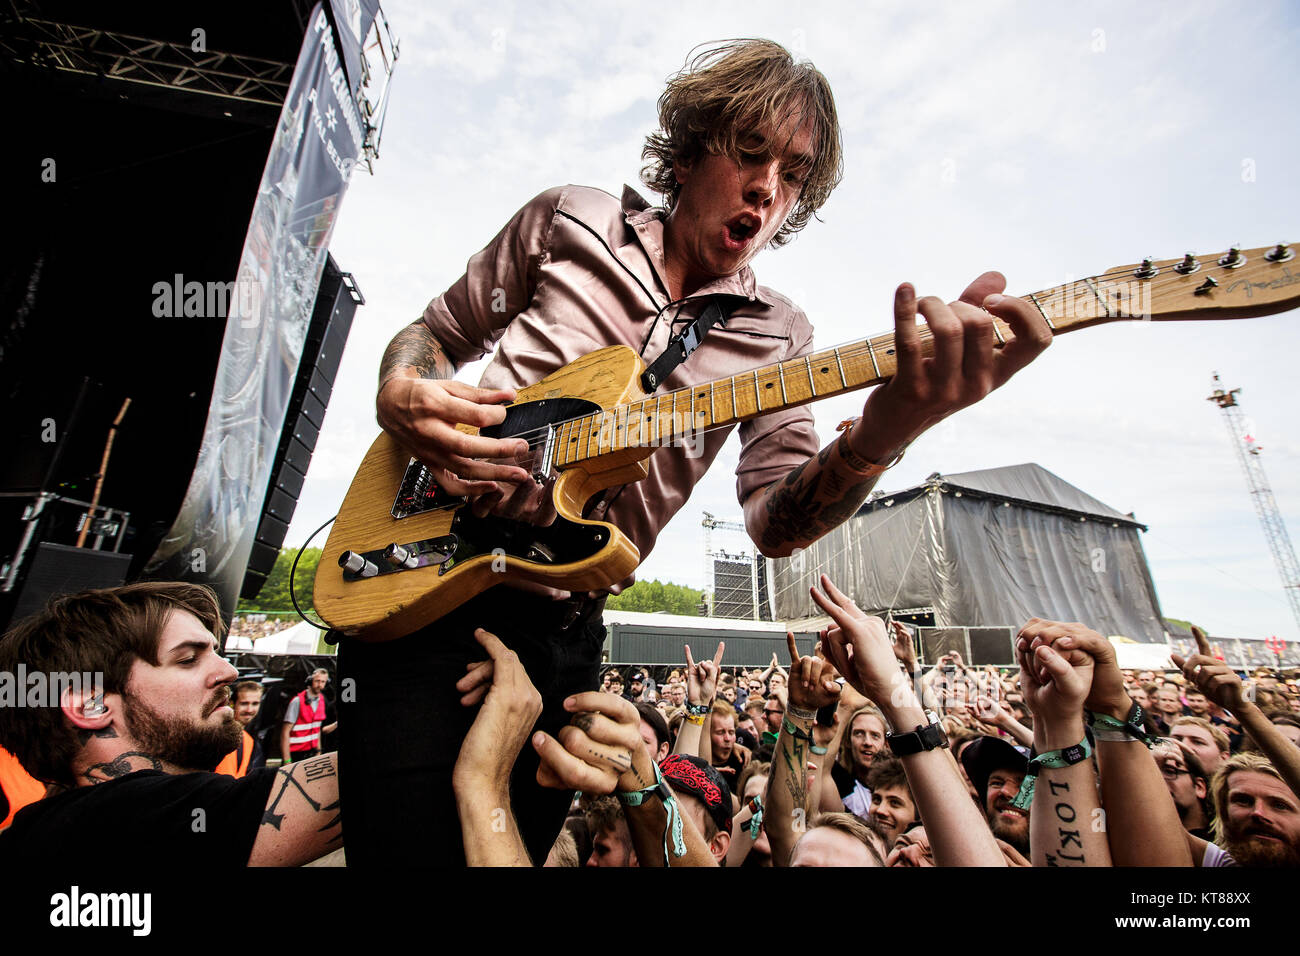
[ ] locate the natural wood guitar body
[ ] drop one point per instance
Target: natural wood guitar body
(389, 606)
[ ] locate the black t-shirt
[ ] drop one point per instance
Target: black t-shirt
(145, 818)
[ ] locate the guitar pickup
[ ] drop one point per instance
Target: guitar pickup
(359, 565)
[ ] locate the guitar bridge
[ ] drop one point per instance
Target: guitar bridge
(420, 492)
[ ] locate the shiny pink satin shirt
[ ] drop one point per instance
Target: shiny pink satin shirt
(576, 270)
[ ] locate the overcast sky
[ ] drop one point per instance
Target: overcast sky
(1045, 141)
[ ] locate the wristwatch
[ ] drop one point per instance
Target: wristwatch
(928, 737)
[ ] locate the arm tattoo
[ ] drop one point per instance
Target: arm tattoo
(795, 763)
(1067, 832)
(315, 769)
(415, 347)
(810, 501)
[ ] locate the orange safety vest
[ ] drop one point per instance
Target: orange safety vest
(20, 788)
(235, 763)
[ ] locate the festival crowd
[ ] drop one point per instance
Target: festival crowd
(1067, 761)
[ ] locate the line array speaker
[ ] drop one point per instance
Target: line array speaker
(336, 303)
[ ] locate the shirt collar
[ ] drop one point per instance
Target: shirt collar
(648, 223)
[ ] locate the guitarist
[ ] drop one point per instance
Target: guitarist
(749, 148)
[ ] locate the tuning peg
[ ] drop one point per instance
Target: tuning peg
(1188, 265)
(1282, 252)
(1147, 270)
(1234, 259)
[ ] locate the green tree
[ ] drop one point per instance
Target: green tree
(655, 596)
(274, 595)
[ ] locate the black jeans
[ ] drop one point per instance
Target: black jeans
(401, 725)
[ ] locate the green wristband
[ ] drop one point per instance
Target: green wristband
(1052, 760)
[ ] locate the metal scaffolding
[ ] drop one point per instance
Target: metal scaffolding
(1248, 453)
(156, 63)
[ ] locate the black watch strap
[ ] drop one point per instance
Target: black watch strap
(928, 737)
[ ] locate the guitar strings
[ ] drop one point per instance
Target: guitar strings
(860, 349)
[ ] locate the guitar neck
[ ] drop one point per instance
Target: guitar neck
(1238, 283)
(675, 416)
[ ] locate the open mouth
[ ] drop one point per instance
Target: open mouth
(741, 229)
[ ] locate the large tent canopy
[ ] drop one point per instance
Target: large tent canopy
(984, 548)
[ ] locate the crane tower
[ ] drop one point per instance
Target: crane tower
(1248, 453)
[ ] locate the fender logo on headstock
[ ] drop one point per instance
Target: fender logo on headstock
(1286, 279)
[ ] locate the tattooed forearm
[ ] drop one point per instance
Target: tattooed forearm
(815, 497)
(797, 765)
(415, 347)
(1069, 842)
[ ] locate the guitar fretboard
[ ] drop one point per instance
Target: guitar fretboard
(673, 416)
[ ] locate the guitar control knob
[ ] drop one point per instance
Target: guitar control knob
(362, 568)
(1188, 265)
(399, 557)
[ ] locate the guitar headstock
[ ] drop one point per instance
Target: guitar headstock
(1235, 283)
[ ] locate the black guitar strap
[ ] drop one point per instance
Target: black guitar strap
(681, 345)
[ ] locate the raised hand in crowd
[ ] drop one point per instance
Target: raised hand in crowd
(601, 751)
(694, 738)
(859, 647)
(904, 649)
(812, 685)
(481, 777)
(1217, 681)
(998, 716)
(1142, 824)
(1055, 681)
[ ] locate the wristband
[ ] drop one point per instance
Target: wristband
(756, 816)
(819, 751)
(673, 825)
(1131, 728)
(1052, 760)
(794, 731)
(799, 712)
(855, 462)
(697, 719)
(698, 710)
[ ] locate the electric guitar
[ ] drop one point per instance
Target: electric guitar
(404, 553)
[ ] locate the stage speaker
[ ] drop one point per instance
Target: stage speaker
(60, 569)
(992, 645)
(331, 321)
(938, 641)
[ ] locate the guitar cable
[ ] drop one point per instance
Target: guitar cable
(294, 569)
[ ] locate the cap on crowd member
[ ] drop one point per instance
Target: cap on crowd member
(693, 776)
(988, 754)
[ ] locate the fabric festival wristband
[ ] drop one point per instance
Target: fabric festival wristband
(756, 821)
(695, 719)
(799, 712)
(819, 751)
(794, 731)
(698, 710)
(673, 825)
(1131, 728)
(1052, 760)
